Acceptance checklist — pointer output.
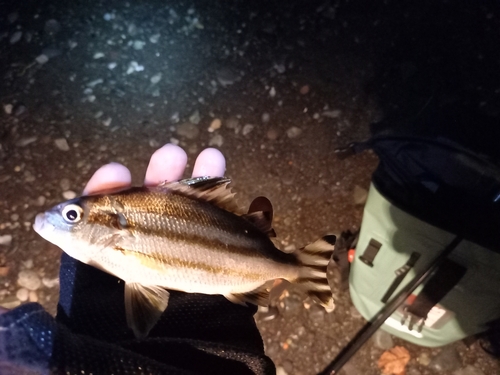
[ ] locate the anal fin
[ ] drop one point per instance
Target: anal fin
(144, 305)
(259, 296)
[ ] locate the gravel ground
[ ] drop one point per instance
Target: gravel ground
(276, 86)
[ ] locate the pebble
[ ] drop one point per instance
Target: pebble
(22, 294)
(268, 313)
(33, 297)
(19, 110)
(108, 16)
(175, 117)
(188, 130)
(382, 340)
(28, 263)
(5, 240)
(40, 201)
(16, 37)
(29, 279)
(232, 123)
(216, 140)
(280, 371)
(50, 283)
(226, 76)
(69, 194)
(156, 78)
(214, 125)
(4, 271)
(272, 92)
(107, 121)
(65, 184)
(359, 195)
(8, 108)
(26, 141)
(293, 132)
(292, 302)
(332, 114)
(447, 360)
(195, 118)
(154, 38)
(138, 45)
(112, 65)
(247, 129)
(10, 302)
(280, 68)
(265, 117)
(42, 59)
(304, 90)
(52, 26)
(424, 359)
(134, 67)
(316, 314)
(98, 114)
(469, 370)
(62, 144)
(95, 82)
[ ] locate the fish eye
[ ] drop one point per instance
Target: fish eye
(72, 213)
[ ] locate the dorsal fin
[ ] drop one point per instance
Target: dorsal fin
(209, 189)
(260, 214)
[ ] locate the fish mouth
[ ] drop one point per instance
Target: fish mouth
(40, 223)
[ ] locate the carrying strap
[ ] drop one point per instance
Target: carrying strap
(400, 275)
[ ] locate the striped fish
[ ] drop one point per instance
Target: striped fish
(187, 235)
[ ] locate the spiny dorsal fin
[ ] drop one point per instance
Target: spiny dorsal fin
(260, 214)
(209, 189)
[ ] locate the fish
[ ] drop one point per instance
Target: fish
(187, 235)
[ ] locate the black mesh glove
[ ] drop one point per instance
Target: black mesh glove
(197, 334)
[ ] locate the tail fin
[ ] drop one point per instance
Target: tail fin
(312, 276)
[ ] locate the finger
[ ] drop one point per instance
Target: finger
(166, 164)
(210, 162)
(109, 176)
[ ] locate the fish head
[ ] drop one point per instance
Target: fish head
(65, 225)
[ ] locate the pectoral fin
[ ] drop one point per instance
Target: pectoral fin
(144, 305)
(259, 296)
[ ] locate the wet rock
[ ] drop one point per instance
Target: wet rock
(52, 27)
(317, 314)
(16, 37)
(382, 340)
(447, 360)
(10, 302)
(65, 184)
(214, 125)
(23, 294)
(216, 140)
(359, 195)
(469, 370)
(154, 38)
(188, 130)
(5, 239)
(332, 114)
(62, 144)
(112, 65)
(69, 194)
(29, 279)
(156, 78)
(272, 92)
(293, 132)
(33, 296)
(280, 371)
(247, 129)
(195, 118)
(138, 45)
(8, 108)
(424, 359)
(304, 90)
(42, 59)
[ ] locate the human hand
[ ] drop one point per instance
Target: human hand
(90, 332)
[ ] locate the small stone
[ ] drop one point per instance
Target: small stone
(91, 98)
(359, 195)
(107, 121)
(280, 371)
(316, 314)
(72, 44)
(247, 129)
(22, 294)
(95, 82)
(4, 271)
(42, 59)
(40, 201)
(154, 38)
(19, 110)
(14, 217)
(272, 92)
(5, 240)
(50, 283)
(69, 194)
(266, 117)
(108, 16)
(292, 302)
(424, 359)
(28, 263)
(33, 297)
(332, 114)
(65, 184)
(226, 76)
(195, 118)
(16, 37)
(216, 140)
(156, 78)
(469, 370)
(280, 68)
(52, 26)
(447, 360)
(138, 44)
(154, 143)
(304, 90)
(214, 125)
(268, 313)
(294, 132)
(175, 118)
(290, 248)
(232, 123)
(382, 340)
(188, 130)
(29, 279)
(98, 114)
(62, 144)
(10, 303)
(8, 108)
(26, 141)
(112, 65)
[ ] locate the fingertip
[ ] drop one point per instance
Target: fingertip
(210, 162)
(109, 176)
(166, 164)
